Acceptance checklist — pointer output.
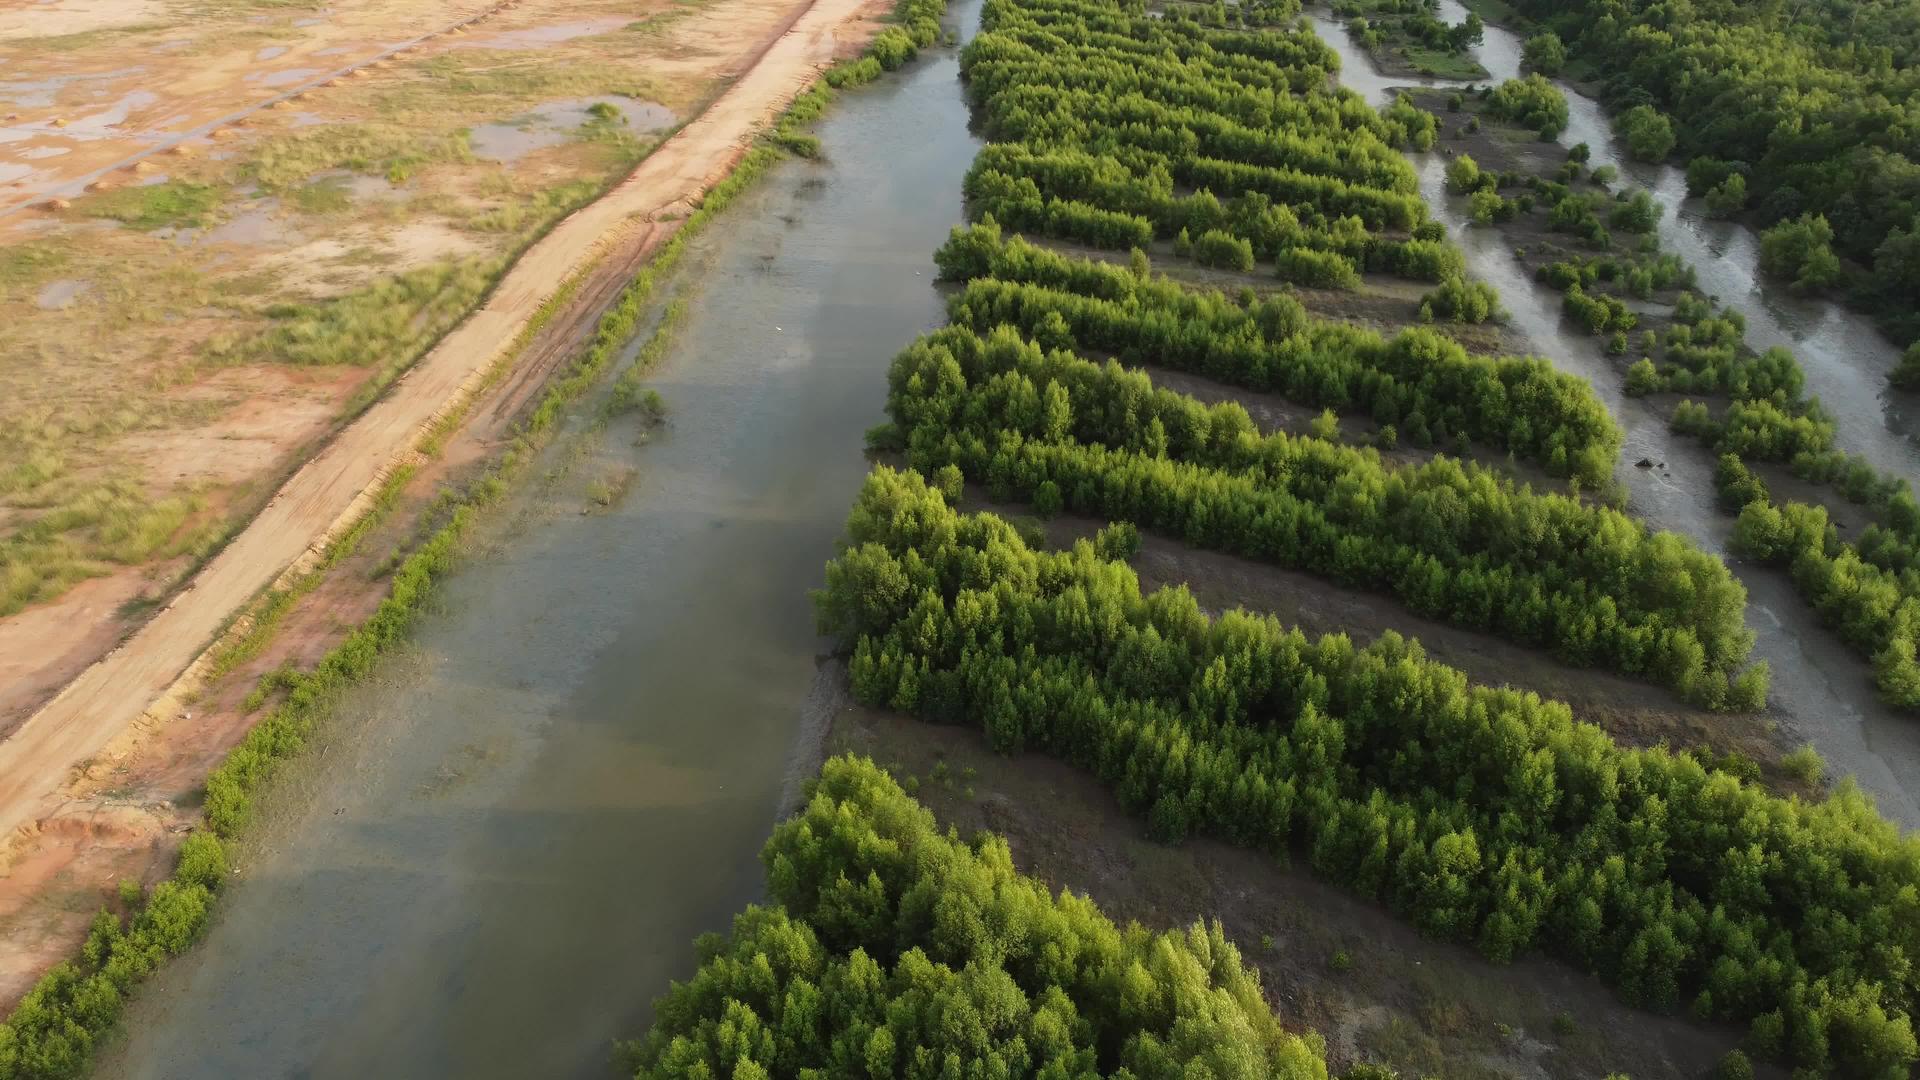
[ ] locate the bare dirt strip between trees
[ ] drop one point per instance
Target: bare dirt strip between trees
(146, 680)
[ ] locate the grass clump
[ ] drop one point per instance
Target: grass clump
(24, 266)
(37, 465)
(533, 214)
(1805, 764)
(283, 163)
(177, 203)
(627, 394)
(86, 533)
(388, 321)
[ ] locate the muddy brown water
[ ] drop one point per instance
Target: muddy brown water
(1820, 690)
(503, 849)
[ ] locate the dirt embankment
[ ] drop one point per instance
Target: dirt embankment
(91, 786)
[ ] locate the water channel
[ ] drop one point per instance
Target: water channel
(1822, 692)
(1846, 360)
(507, 846)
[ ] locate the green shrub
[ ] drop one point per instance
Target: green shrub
(1532, 102)
(890, 942)
(1223, 251)
(1906, 374)
(1805, 764)
(1648, 133)
(1801, 251)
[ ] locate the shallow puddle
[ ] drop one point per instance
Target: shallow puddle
(556, 122)
(533, 37)
(256, 226)
(106, 123)
(287, 77)
(55, 295)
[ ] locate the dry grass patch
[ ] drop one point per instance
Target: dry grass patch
(286, 161)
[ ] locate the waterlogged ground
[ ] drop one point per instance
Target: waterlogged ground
(1820, 691)
(1845, 358)
(506, 847)
(503, 850)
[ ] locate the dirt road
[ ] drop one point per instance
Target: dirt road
(38, 760)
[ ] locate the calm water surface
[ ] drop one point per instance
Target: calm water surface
(506, 848)
(1819, 689)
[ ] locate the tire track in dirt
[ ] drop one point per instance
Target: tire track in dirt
(143, 684)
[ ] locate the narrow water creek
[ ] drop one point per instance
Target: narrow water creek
(1846, 360)
(1820, 691)
(506, 846)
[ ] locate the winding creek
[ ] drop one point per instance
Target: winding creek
(501, 851)
(1846, 360)
(505, 848)
(1821, 691)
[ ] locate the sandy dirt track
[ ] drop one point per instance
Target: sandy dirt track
(38, 760)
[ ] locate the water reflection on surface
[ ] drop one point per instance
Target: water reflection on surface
(511, 846)
(1820, 689)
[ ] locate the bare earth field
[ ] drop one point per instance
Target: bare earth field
(97, 785)
(188, 326)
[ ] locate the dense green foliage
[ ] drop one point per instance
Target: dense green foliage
(1453, 541)
(1413, 23)
(1097, 114)
(1418, 379)
(1545, 53)
(1649, 134)
(1906, 374)
(893, 949)
(1815, 106)
(1801, 251)
(1115, 129)
(1532, 102)
(1869, 593)
(1487, 816)
(1462, 301)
